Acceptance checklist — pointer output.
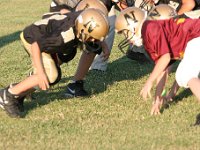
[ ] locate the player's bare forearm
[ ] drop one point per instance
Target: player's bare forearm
(160, 67)
(160, 85)
(172, 92)
(36, 57)
(37, 60)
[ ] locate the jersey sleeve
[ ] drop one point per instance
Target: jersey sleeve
(52, 34)
(155, 40)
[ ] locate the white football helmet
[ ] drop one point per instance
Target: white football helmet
(129, 22)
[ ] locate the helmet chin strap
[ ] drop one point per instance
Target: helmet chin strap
(83, 37)
(89, 46)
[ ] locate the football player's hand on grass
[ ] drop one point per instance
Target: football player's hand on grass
(146, 90)
(43, 81)
(157, 105)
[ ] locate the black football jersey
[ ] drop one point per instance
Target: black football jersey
(54, 34)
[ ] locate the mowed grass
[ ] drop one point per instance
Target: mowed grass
(114, 117)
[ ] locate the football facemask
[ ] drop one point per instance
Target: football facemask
(130, 38)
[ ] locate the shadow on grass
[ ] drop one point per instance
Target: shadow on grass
(119, 70)
(7, 39)
(40, 98)
(183, 94)
(96, 81)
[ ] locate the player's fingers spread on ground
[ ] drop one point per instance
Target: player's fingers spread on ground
(152, 111)
(46, 81)
(42, 85)
(43, 82)
(143, 94)
(46, 84)
(155, 110)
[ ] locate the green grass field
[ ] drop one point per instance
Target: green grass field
(114, 117)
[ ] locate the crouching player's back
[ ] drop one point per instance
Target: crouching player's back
(50, 42)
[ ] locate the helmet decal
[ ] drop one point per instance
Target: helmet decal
(91, 25)
(129, 19)
(162, 11)
(154, 13)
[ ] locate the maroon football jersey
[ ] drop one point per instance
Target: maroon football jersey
(169, 36)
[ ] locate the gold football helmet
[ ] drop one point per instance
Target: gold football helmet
(97, 4)
(91, 27)
(162, 11)
(91, 23)
(129, 22)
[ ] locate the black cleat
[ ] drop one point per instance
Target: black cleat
(20, 104)
(138, 54)
(20, 100)
(9, 103)
(76, 89)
